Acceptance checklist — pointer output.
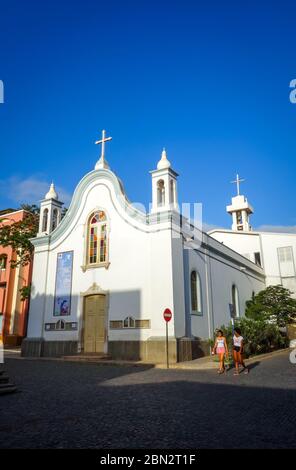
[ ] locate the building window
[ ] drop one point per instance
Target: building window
(60, 325)
(44, 220)
(142, 323)
(129, 322)
(160, 193)
(97, 244)
(287, 268)
(257, 257)
(3, 262)
(290, 284)
(239, 218)
(285, 254)
(116, 324)
(286, 261)
(195, 292)
(172, 191)
(54, 219)
(235, 301)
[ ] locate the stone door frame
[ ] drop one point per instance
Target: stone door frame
(94, 290)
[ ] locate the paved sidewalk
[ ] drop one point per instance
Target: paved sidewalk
(203, 363)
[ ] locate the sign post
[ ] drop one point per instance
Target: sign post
(167, 315)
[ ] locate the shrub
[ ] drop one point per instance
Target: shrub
(259, 336)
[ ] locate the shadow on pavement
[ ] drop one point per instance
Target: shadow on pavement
(87, 406)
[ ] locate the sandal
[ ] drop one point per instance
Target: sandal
(236, 373)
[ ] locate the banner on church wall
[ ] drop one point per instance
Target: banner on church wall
(63, 287)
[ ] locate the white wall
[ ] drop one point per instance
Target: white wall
(139, 278)
(219, 268)
(270, 243)
(245, 243)
(265, 242)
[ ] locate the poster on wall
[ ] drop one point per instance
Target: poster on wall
(63, 287)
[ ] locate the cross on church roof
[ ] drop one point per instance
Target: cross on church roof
(238, 180)
(102, 141)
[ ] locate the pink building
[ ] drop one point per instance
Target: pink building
(13, 310)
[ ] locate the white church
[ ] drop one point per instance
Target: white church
(104, 274)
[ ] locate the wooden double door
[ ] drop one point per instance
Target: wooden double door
(95, 324)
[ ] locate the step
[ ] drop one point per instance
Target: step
(87, 358)
(7, 388)
(4, 379)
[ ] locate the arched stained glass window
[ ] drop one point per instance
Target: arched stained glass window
(97, 245)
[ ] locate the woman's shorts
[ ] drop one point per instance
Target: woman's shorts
(220, 350)
(236, 348)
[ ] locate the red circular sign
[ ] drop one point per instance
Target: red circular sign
(167, 314)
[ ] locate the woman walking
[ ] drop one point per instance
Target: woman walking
(221, 349)
(238, 351)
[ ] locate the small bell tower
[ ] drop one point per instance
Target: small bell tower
(164, 186)
(50, 212)
(240, 209)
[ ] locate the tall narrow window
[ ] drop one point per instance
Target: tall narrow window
(257, 257)
(235, 301)
(160, 193)
(54, 219)
(172, 192)
(195, 293)
(97, 245)
(239, 218)
(44, 220)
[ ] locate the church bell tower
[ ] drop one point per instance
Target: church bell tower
(240, 210)
(50, 212)
(164, 186)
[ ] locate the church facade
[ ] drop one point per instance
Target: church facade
(104, 274)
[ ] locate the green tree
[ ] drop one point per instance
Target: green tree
(18, 235)
(273, 303)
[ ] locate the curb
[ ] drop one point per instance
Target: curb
(205, 365)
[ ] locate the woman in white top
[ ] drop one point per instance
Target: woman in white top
(238, 350)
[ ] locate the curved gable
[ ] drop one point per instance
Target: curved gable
(81, 189)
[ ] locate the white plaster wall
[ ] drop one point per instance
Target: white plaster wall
(139, 278)
(37, 301)
(223, 278)
(198, 325)
(241, 242)
(219, 268)
(265, 242)
(178, 284)
(270, 242)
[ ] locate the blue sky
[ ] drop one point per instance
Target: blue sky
(209, 80)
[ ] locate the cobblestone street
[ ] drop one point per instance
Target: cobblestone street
(71, 405)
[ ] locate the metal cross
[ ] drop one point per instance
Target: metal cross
(102, 141)
(238, 180)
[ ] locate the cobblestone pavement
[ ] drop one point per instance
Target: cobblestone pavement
(70, 405)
